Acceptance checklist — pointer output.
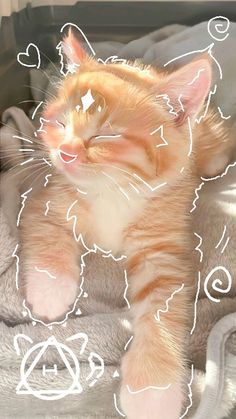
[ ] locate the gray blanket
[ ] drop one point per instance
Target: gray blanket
(101, 310)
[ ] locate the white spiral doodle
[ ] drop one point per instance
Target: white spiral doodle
(217, 283)
(218, 28)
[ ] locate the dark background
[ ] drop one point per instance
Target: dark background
(118, 21)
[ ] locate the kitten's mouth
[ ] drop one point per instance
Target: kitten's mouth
(67, 157)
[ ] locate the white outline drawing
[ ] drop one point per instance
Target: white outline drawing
(66, 314)
(149, 186)
(197, 248)
(208, 49)
(116, 259)
(217, 26)
(36, 109)
(225, 245)
(116, 374)
(215, 283)
(108, 253)
(22, 138)
(190, 394)
(195, 302)
(128, 342)
(82, 33)
(26, 161)
(222, 237)
(116, 407)
(94, 368)
(76, 387)
(24, 196)
(27, 54)
(195, 78)
(73, 156)
(197, 196)
(180, 102)
(166, 97)
(87, 100)
(212, 92)
(108, 136)
(112, 59)
(221, 114)
(14, 255)
(46, 179)
(70, 68)
(47, 162)
(161, 135)
(190, 136)
(82, 192)
(222, 174)
(47, 208)
(126, 289)
(42, 121)
(45, 271)
(147, 388)
(157, 315)
(26, 149)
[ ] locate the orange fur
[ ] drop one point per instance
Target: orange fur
(151, 228)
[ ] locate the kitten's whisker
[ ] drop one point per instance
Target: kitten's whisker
(127, 175)
(53, 64)
(26, 161)
(15, 148)
(19, 172)
(42, 173)
(29, 101)
(17, 130)
(117, 184)
(41, 90)
(40, 170)
(17, 165)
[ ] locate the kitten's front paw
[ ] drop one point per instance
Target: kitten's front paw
(152, 403)
(50, 298)
(144, 395)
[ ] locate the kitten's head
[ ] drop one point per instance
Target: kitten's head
(112, 121)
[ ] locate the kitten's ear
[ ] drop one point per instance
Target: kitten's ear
(72, 49)
(187, 88)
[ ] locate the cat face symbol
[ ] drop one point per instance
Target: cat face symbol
(55, 376)
(29, 370)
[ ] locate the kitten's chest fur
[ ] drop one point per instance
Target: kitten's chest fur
(109, 216)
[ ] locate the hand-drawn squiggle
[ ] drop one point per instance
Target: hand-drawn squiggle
(217, 282)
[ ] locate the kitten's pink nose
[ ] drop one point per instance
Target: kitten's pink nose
(66, 154)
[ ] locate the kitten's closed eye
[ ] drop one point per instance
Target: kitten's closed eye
(61, 124)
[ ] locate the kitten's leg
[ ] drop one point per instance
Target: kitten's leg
(156, 353)
(49, 270)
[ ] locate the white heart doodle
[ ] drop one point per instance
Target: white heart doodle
(21, 55)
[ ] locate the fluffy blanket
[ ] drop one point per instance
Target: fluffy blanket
(101, 316)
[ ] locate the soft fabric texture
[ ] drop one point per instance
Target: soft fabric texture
(104, 316)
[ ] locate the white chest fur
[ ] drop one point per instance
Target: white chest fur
(110, 215)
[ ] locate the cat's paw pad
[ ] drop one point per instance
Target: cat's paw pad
(50, 298)
(152, 403)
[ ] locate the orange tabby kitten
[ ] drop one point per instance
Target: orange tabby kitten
(130, 157)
